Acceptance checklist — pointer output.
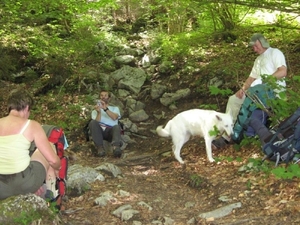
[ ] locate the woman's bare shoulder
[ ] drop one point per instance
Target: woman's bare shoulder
(35, 124)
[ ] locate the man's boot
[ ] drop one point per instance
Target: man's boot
(117, 152)
(100, 151)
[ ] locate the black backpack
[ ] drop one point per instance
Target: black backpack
(284, 144)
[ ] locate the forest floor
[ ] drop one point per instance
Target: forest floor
(152, 175)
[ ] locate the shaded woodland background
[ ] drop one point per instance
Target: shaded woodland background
(54, 48)
(51, 46)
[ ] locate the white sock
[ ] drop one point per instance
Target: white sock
(50, 183)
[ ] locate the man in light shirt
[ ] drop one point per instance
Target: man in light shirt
(104, 125)
(271, 62)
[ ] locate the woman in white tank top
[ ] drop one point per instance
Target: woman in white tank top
(21, 173)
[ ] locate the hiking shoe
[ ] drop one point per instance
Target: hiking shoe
(219, 143)
(100, 151)
(117, 152)
(93, 149)
(49, 195)
(101, 154)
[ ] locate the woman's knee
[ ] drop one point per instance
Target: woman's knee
(38, 156)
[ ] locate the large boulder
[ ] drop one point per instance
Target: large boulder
(129, 78)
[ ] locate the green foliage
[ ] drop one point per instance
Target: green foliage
(214, 132)
(65, 39)
(257, 166)
(30, 75)
(217, 91)
(7, 65)
(289, 172)
(249, 184)
(229, 159)
(282, 171)
(65, 114)
(222, 15)
(28, 217)
(53, 206)
(51, 35)
(180, 47)
(288, 102)
(239, 159)
(208, 106)
(71, 121)
(237, 147)
(195, 181)
(250, 141)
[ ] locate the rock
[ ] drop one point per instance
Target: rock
(157, 90)
(221, 212)
(189, 205)
(79, 178)
(224, 198)
(244, 168)
(29, 208)
(105, 198)
(118, 211)
(169, 98)
(144, 204)
(192, 221)
(146, 61)
(138, 116)
(128, 214)
(168, 221)
(110, 169)
(129, 51)
(165, 67)
(122, 193)
(125, 59)
(133, 105)
(129, 78)
(129, 125)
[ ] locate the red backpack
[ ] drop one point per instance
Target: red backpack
(56, 136)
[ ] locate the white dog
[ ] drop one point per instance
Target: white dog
(196, 122)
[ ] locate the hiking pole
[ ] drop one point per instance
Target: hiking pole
(257, 100)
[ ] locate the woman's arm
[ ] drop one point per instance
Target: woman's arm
(42, 143)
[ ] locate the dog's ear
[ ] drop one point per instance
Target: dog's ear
(219, 118)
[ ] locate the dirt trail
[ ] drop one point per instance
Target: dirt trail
(183, 192)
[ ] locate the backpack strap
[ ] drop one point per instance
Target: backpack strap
(277, 159)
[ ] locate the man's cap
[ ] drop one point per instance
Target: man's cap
(261, 38)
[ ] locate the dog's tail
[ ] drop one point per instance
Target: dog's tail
(162, 132)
